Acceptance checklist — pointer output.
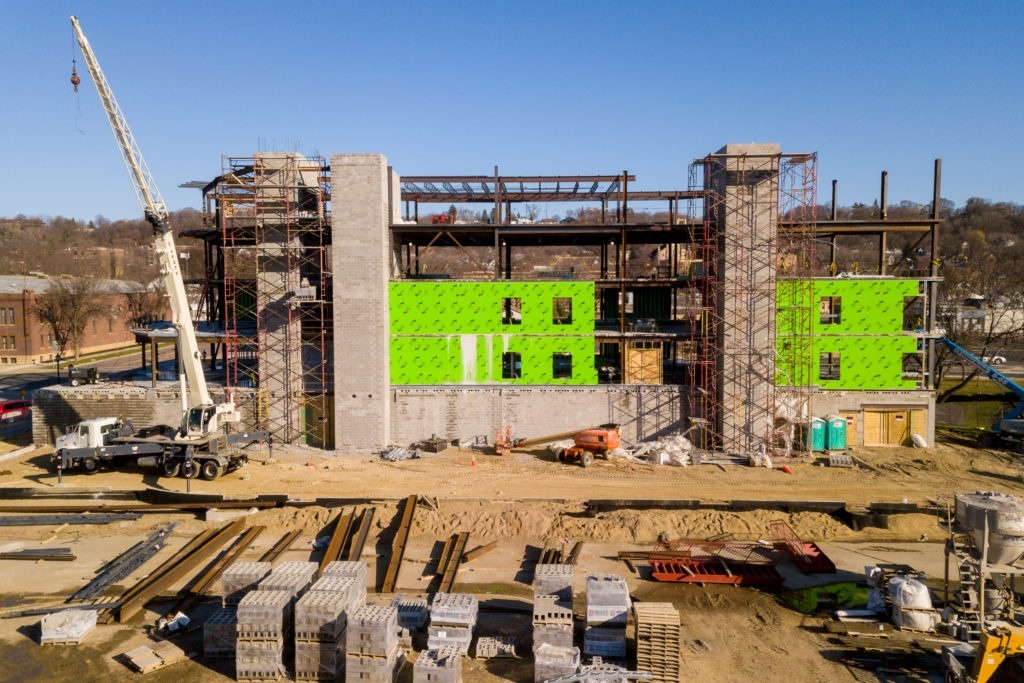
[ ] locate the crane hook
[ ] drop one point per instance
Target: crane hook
(75, 80)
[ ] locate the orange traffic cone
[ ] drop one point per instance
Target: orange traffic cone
(785, 468)
(472, 461)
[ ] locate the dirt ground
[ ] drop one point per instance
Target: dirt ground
(524, 501)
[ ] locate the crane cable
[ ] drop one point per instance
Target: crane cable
(75, 81)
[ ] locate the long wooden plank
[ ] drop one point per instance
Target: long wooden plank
(355, 550)
(398, 547)
(342, 529)
(451, 567)
(196, 541)
(206, 581)
(281, 546)
(157, 583)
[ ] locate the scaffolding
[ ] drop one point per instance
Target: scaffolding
(797, 313)
(738, 245)
(272, 213)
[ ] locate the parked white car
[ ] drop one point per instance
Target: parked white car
(994, 360)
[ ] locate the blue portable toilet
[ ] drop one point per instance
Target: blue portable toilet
(814, 436)
(835, 439)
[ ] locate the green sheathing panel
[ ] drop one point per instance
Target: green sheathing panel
(868, 336)
(452, 332)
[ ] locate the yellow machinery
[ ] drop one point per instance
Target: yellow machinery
(994, 647)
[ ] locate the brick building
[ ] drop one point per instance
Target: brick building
(23, 339)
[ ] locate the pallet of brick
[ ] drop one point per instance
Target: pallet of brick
(264, 614)
(608, 642)
(354, 592)
(67, 627)
(319, 660)
(608, 600)
(559, 635)
(373, 669)
(239, 578)
(294, 577)
(549, 609)
(412, 612)
(259, 660)
(495, 647)
(599, 671)
(321, 615)
(441, 665)
(220, 631)
(454, 609)
(372, 631)
(553, 579)
(347, 568)
(449, 635)
(550, 661)
(658, 639)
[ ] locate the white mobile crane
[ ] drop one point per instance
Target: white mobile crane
(202, 422)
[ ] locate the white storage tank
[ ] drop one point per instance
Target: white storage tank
(1004, 515)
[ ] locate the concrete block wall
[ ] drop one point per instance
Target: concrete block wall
(461, 413)
(56, 408)
(361, 262)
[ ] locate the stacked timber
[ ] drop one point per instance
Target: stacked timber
(264, 622)
(440, 665)
(371, 644)
(452, 621)
(657, 640)
(552, 605)
(608, 605)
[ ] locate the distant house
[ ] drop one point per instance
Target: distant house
(23, 339)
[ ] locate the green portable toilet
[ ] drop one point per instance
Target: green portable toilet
(814, 436)
(835, 439)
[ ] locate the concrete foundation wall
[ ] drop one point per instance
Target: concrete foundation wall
(461, 413)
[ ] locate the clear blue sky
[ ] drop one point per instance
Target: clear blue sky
(535, 87)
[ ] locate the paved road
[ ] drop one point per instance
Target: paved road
(15, 379)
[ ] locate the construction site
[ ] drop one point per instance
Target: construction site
(682, 433)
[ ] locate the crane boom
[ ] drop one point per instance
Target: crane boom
(153, 207)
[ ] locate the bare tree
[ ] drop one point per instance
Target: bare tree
(143, 307)
(67, 306)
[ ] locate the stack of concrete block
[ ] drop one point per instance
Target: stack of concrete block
(443, 665)
(371, 644)
(320, 622)
(608, 606)
(599, 671)
(350, 570)
(294, 577)
(552, 605)
(552, 661)
(353, 591)
(452, 621)
(412, 612)
(658, 640)
(220, 632)
(239, 578)
(264, 622)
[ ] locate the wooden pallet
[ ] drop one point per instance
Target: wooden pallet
(146, 658)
